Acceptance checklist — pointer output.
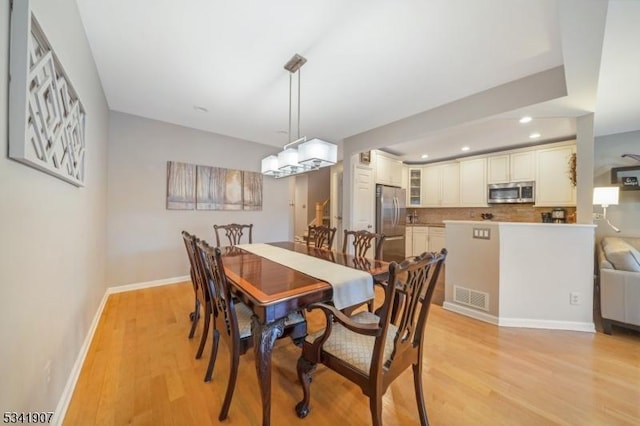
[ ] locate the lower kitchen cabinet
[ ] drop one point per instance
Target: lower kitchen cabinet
(436, 239)
(423, 238)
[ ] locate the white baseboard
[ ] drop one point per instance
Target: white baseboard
(67, 393)
(520, 322)
(588, 327)
(469, 312)
(147, 284)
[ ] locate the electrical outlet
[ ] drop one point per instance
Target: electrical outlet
(574, 298)
(598, 216)
(47, 371)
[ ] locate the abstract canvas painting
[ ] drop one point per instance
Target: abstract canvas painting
(181, 186)
(212, 188)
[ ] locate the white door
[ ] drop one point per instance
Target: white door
(301, 219)
(363, 199)
(336, 202)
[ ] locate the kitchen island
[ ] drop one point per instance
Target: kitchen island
(536, 275)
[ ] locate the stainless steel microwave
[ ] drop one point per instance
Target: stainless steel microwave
(514, 192)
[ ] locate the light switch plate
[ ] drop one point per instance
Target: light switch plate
(482, 233)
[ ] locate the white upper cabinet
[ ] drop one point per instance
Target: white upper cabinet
(514, 167)
(553, 186)
(389, 171)
(441, 185)
(414, 189)
(473, 182)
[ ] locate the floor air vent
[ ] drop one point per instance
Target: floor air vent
(473, 298)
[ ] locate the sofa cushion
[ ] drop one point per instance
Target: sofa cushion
(621, 254)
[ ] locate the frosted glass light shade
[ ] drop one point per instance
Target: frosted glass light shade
(317, 153)
(270, 165)
(606, 196)
(288, 160)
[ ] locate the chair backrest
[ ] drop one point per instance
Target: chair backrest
(234, 233)
(211, 261)
(415, 280)
(362, 243)
(199, 286)
(321, 236)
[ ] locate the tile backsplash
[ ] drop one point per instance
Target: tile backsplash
(501, 213)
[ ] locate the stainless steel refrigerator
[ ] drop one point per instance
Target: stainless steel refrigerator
(391, 220)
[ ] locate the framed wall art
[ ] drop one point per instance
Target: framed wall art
(46, 116)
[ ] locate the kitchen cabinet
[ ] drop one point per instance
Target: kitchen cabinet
(389, 171)
(420, 240)
(441, 185)
(423, 238)
(473, 182)
(511, 167)
(436, 239)
(414, 191)
(553, 186)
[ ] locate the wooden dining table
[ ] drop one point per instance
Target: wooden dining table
(273, 291)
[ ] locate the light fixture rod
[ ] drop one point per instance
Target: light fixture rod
(299, 75)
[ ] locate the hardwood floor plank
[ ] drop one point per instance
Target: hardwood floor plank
(141, 370)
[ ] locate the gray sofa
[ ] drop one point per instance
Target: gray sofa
(619, 262)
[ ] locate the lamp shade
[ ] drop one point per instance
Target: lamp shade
(270, 165)
(606, 195)
(288, 160)
(317, 153)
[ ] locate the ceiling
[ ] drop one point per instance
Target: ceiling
(370, 63)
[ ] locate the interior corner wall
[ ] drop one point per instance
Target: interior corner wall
(144, 241)
(608, 154)
(52, 264)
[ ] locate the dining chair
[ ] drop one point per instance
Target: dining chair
(321, 236)
(236, 319)
(371, 350)
(362, 241)
(234, 233)
(202, 297)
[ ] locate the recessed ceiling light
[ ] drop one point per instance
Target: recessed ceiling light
(424, 156)
(534, 135)
(525, 119)
(465, 148)
(200, 108)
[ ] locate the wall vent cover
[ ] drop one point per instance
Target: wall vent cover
(473, 298)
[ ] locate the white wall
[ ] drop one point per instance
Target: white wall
(144, 242)
(608, 152)
(52, 264)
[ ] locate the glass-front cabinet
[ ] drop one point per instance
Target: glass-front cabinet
(415, 185)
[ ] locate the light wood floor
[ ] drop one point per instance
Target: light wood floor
(141, 370)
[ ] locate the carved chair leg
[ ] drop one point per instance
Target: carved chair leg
(233, 376)
(370, 305)
(214, 355)
(417, 382)
(375, 404)
(205, 330)
(305, 368)
(194, 317)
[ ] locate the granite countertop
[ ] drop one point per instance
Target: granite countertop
(434, 224)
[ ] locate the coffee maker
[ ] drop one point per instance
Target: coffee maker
(559, 215)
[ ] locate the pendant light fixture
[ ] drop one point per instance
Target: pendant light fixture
(310, 154)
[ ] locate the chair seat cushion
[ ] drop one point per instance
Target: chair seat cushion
(244, 314)
(353, 348)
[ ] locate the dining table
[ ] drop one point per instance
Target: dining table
(274, 290)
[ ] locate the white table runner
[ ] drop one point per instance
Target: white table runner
(350, 286)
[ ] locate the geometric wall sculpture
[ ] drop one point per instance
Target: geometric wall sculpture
(46, 117)
(212, 188)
